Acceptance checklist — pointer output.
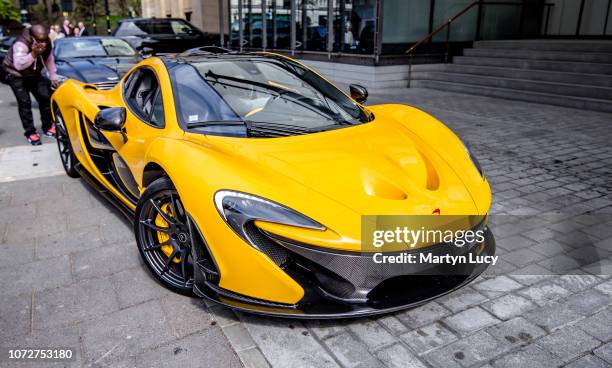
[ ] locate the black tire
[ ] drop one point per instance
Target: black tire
(64, 147)
(165, 249)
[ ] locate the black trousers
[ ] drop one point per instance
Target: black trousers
(41, 89)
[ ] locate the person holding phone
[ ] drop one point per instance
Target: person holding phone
(32, 52)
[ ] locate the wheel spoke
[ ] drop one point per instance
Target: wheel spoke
(184, 254)
(173, 206)
(165, 216)
(169, 262)
(155, 227)
(153, 247)
(177, 208)
(157, 246)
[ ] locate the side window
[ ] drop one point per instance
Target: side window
(157, 113)
(143, 96)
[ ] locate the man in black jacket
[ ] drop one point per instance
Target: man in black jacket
(82, 30)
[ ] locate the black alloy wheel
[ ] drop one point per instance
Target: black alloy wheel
(67, 156)
(163, 236)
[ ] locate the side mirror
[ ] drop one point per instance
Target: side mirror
(358, 93)
(145, 52)
(111, 119)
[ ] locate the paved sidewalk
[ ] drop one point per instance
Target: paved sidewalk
(73, 277)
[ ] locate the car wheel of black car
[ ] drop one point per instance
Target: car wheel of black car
(163, 236)
(67, 156)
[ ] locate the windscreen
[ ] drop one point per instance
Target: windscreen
(146, 27)
(84, 48)
(263, 90)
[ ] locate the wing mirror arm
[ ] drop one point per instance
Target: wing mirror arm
(146, 52)
(359, 93)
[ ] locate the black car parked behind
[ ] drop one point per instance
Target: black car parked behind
(164, 35)
(101, 61)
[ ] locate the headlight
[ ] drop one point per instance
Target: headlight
(474, 160)
(239, 209)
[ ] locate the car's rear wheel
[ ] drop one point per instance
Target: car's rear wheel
(163, 236)
(67, 156)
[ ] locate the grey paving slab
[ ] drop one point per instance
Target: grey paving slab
(372, 334)
(530, 356)
(544, 292)
(36, 276)
(475, 349)
(104, 260)
(598, 325)
(16, 317)
(283, 341)
(202, 349)
(605, 352)
(423, 315)
(462, 299)
(470, 320)
(20, 253)
(66, 242)
(253, 358)
(73, 303)
(136, 285)
(185, 315)
(517, 331)
(125, 333)
(552, 316)
(397, 356)
(576, 282)
(428, 338)
(588, 361)
(351, 352)
(497, 286)
(568, 343)
(392, 324)
(508, 306)
(605, 287)
(588, 302)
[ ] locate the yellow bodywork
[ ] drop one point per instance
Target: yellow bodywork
(402, 162)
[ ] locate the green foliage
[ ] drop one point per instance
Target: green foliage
(8, 10)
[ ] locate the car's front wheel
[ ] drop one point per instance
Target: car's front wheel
(163, 236)
(67, 156)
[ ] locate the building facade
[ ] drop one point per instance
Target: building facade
(381, 27)
(347, 38)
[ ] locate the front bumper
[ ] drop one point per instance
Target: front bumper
(343, 284)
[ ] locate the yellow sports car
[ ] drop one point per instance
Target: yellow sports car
(247, 176)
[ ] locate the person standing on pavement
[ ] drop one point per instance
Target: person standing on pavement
(82, 29)
(30, 53)
(66, 30)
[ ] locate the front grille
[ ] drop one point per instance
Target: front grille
(105, 85)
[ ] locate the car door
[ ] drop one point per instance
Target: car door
(145, 122)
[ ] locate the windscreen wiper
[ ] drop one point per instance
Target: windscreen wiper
(203, 124)
(256, 128)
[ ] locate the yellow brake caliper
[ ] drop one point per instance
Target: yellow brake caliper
(161, 236)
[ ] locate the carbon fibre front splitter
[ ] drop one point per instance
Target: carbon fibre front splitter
(317, 305)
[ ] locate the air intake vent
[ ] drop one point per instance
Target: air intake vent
(276, 252)
(106, 85)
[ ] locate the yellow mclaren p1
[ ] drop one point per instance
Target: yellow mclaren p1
(247, 176)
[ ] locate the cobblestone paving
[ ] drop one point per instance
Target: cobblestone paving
(72, 276)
